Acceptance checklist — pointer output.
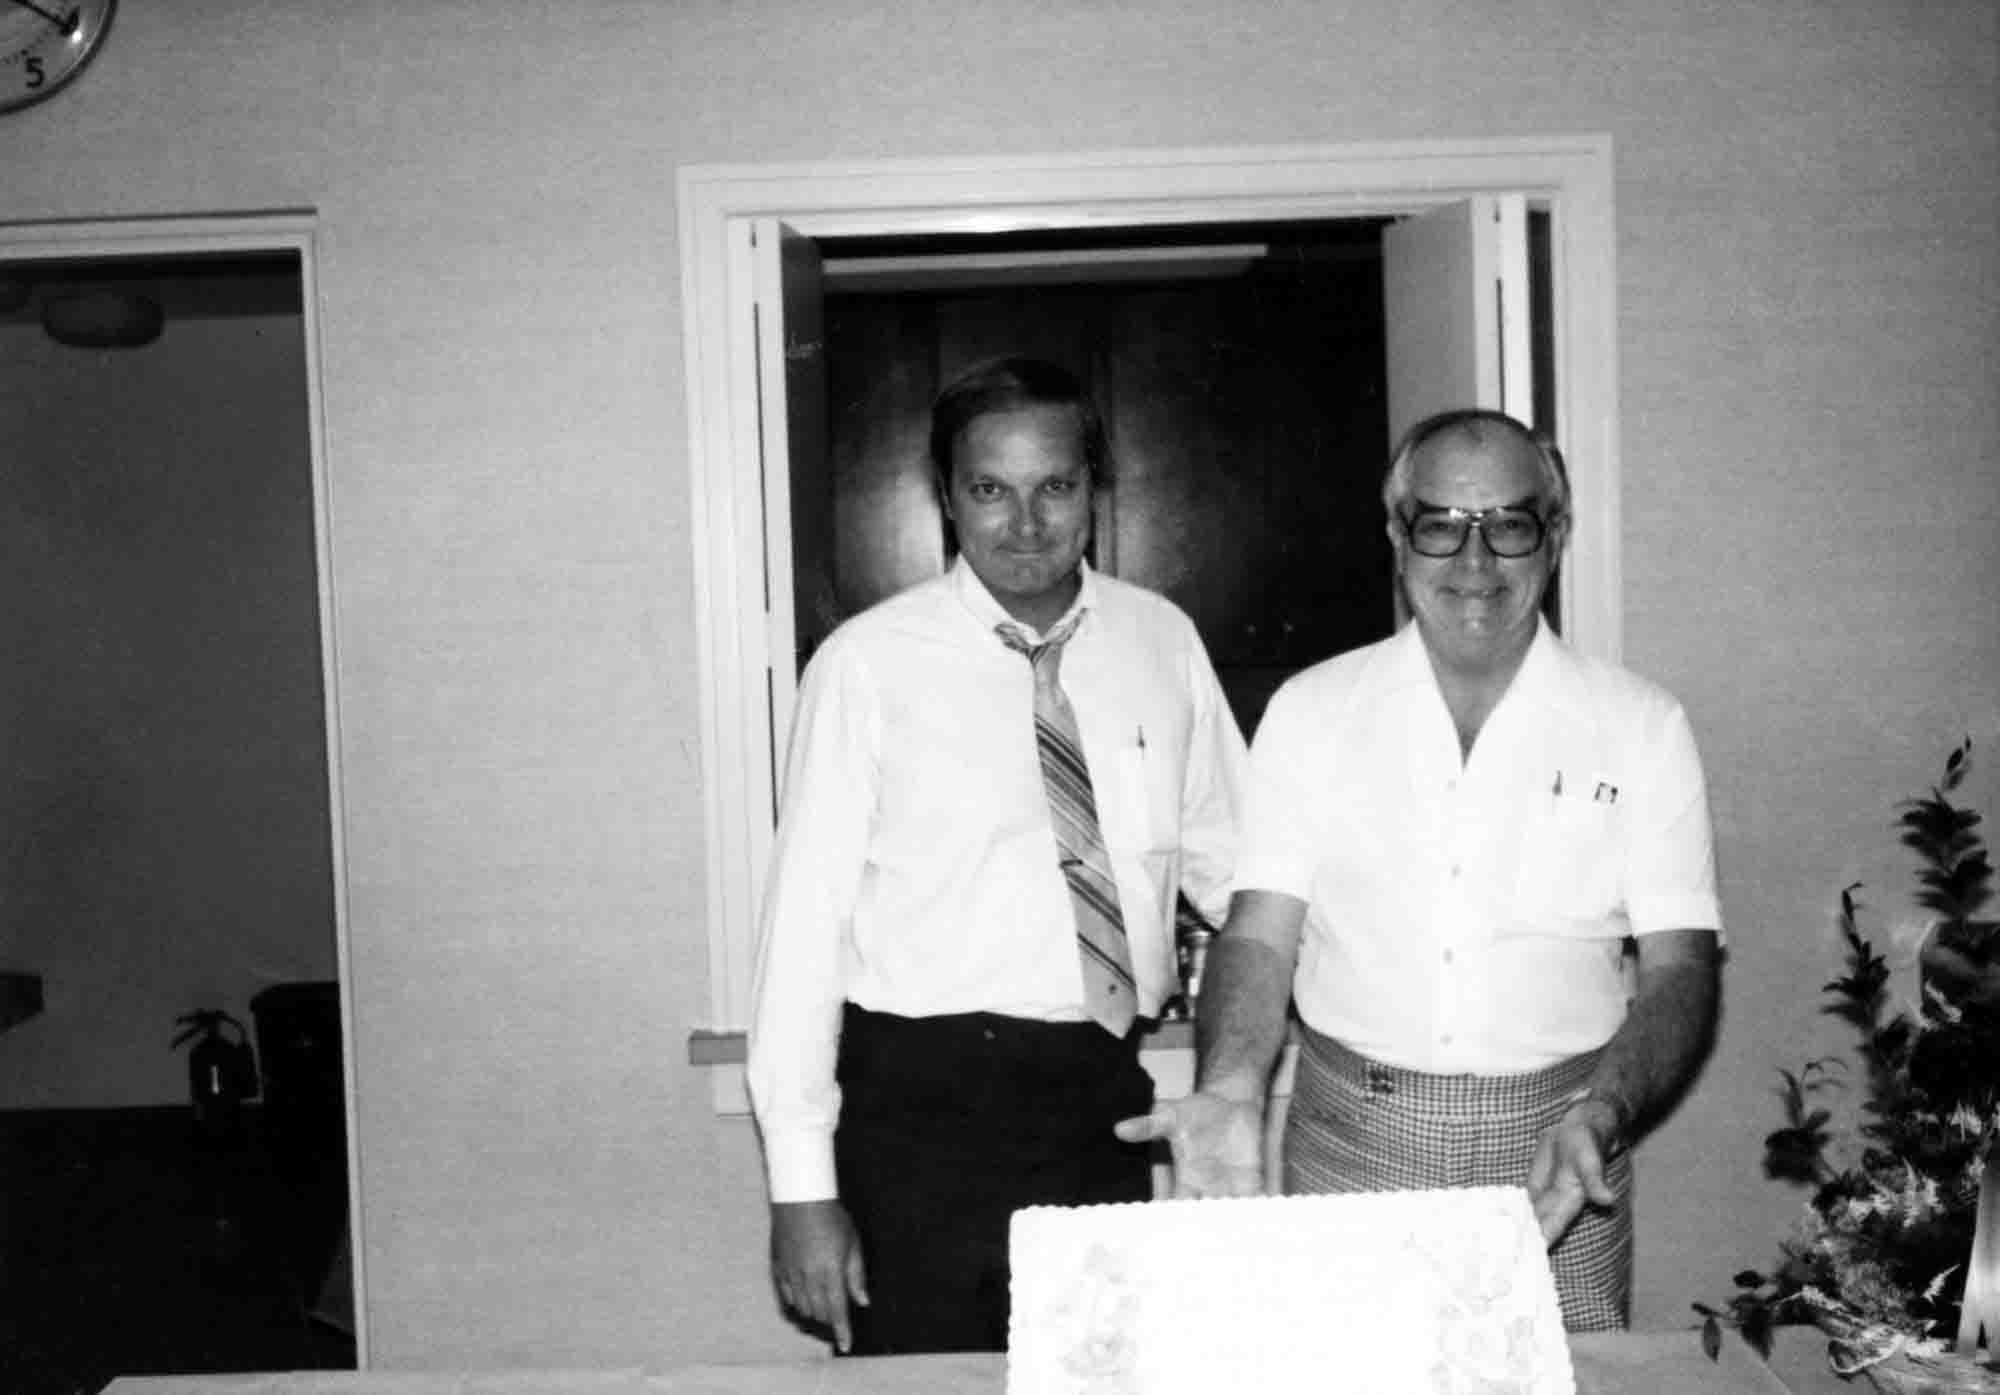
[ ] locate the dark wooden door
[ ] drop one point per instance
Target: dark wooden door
(1247, 426)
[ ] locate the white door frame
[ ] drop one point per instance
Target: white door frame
(146, 238)
(1571, 176)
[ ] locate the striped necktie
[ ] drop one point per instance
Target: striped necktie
(1100, 929)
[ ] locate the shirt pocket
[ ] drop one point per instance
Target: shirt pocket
(1133, 805)
(1568, 878)
(1141, 841)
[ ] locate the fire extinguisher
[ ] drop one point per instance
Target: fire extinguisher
(222, 1073)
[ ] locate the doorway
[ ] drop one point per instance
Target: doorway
(1241, 374)
(736, 384)
(171, 820)
(1244, 373)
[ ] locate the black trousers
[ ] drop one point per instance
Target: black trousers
(948, 1125)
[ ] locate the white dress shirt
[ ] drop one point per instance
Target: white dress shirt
(1469, 914)
(915, 870)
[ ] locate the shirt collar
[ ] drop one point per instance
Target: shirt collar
(1405, 663)
(990, 614)
(1548, 676)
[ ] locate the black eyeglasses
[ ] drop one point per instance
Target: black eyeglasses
(1435, 531)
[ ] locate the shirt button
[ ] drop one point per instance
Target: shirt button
(1447, 956)
(1454, 869)
(1445, 1040)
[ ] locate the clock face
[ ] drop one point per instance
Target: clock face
(45, 43)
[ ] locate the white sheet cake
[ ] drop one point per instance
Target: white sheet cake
(1411, 1293)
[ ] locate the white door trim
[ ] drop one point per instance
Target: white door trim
(1571, 176)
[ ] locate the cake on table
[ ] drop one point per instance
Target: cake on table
(1406, 1293)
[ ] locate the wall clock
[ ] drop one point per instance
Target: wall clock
(44, 44)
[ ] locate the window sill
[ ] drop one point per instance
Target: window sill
(707, 1048)
(1167, 1054)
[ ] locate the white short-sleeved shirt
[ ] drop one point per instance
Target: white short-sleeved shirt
(915, 870)
(1470, 915)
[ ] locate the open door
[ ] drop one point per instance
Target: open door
(1455, 286)
(777, 397)
(1458, 287)
(798, 486)
(137, 600)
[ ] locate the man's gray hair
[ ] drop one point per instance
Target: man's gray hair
(1479, 423)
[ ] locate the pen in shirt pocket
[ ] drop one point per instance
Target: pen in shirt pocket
(1139, 737)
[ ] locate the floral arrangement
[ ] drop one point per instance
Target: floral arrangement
(1880, 1259)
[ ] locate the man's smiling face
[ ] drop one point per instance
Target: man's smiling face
(1476, 611)
(1020, 499)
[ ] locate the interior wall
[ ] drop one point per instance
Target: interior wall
(164, 817)
(1806, 197)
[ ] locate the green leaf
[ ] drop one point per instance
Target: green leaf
(1756, 1329)
(1919, 1066)
(1848, 903)
(1791, 1155)
(1957, 763)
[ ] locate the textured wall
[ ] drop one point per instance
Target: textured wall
(1807, 280)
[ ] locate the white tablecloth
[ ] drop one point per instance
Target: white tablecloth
(1670, 1363)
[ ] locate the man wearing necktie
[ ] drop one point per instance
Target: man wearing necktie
(998, 783)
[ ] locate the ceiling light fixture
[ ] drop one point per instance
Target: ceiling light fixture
(101, 319)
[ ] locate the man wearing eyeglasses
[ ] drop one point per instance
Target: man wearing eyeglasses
(1480, 866)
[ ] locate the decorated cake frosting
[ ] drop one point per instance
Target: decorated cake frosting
(1408, 1293)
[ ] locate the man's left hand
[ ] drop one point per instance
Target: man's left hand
(1567, 1171)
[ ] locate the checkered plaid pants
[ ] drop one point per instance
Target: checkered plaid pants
(1356, 1125)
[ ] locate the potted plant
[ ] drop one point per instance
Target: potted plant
(1880, 1258)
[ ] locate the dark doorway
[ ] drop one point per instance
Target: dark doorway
(1240, 371)
(166, 823)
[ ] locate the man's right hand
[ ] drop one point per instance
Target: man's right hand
(1217, 1143)
(1217, 1133)
(816, 1264)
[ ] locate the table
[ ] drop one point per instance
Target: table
(1664, 1363)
